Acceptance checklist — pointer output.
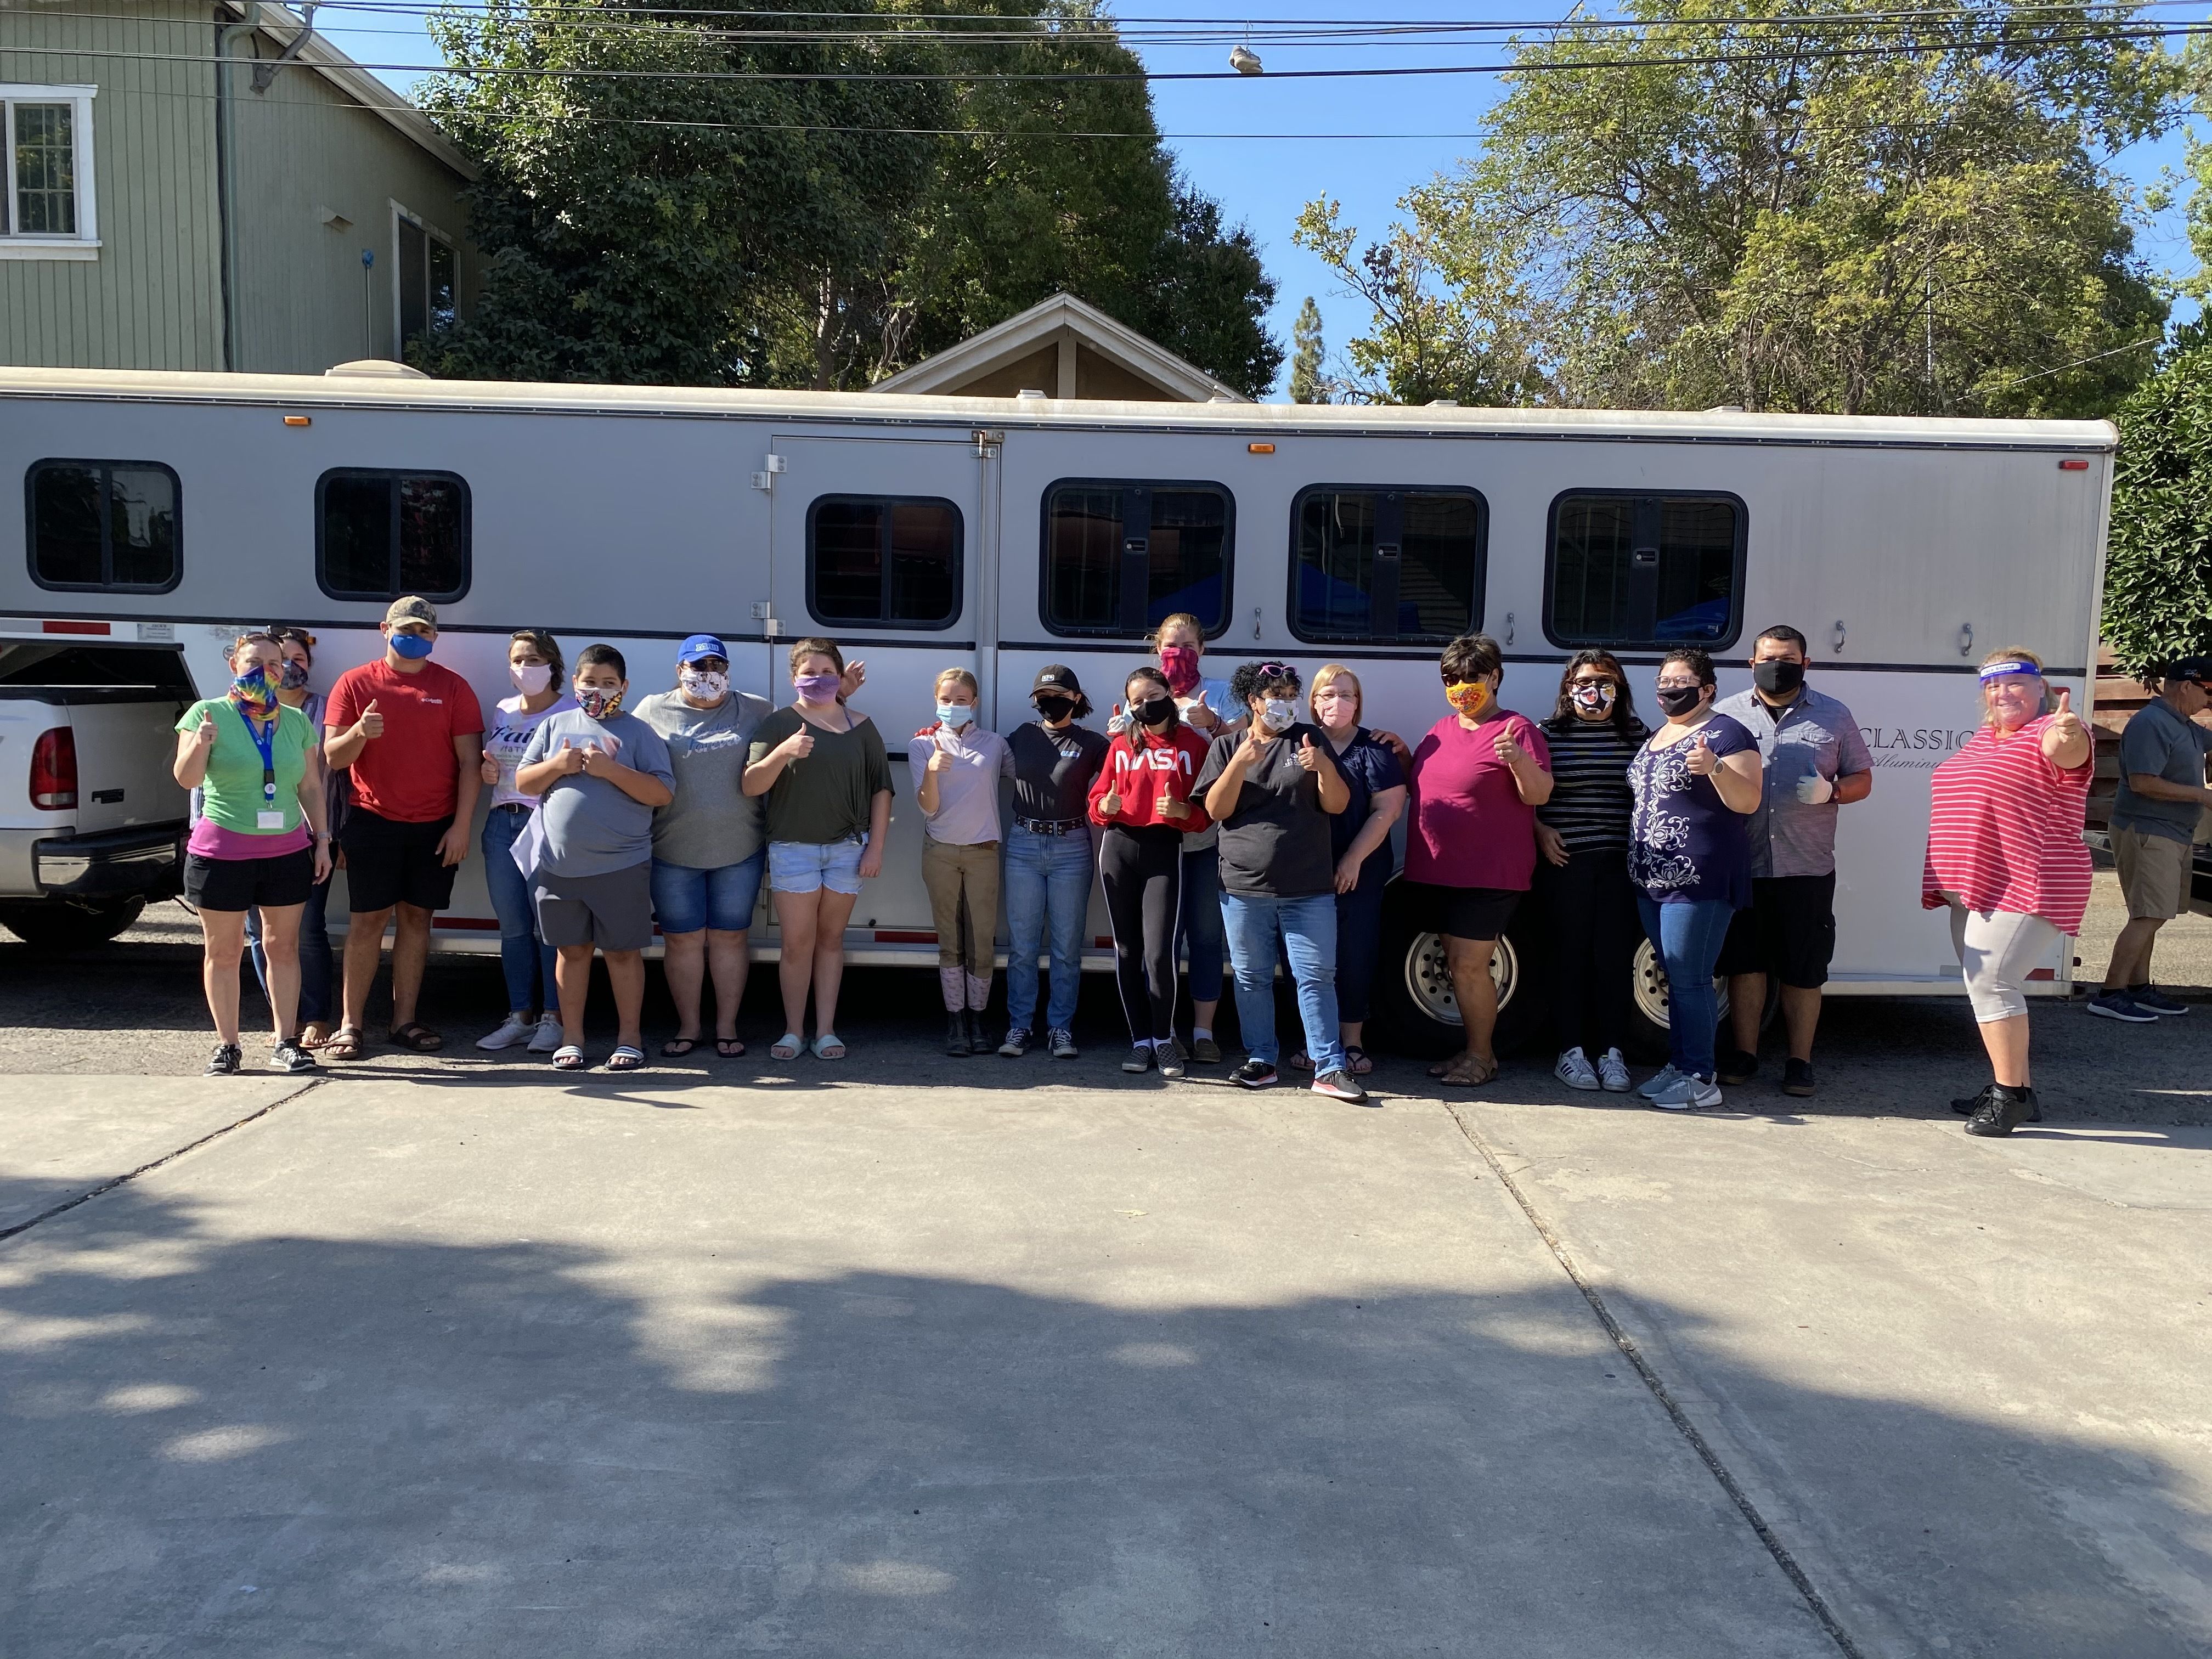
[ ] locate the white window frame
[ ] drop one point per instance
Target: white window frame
(431, 233)
(85, 245)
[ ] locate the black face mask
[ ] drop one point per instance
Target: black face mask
(1055, 709)
(1679, 699)
(1778, 678)
(1154, 711)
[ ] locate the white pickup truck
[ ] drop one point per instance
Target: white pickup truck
(92, 825)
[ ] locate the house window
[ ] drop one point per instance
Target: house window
(882, 562)
(103, 525)
(46, 204)
(424, 260)
(379, 535)
(1122, 555)
(1385, 565)
(1644, 572)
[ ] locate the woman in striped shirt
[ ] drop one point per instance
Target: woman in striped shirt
(1583, 833)
(2005, 853)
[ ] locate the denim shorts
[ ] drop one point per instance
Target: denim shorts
(685, 900)
(804, 867)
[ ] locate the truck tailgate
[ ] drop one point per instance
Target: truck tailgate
(124, 753)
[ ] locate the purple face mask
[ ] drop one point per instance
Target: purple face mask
(815, 688)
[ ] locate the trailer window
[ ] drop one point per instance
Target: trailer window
(883, 562)
(1120, 557)
(1645, 571)
(1386, 564)
(379, 535)
(103, 525)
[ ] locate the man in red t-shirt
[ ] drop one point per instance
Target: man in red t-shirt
(413, 733)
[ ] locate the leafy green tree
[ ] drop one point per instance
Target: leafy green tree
(2158, 566)
(818, 233)
(1870, 212)
(1307, 386)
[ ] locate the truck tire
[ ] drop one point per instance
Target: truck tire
(1647, 1003)
(63, 925)
(1414, 1000)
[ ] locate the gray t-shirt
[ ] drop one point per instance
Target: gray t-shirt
(1813, 735)
(712, 822)
(592, 828)
(2159, 741)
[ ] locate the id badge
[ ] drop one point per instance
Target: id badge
(269, 820)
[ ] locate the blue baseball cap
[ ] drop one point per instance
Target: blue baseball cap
(702, 645)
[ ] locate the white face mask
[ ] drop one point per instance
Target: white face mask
(704, 683)
(1279, 714)
(530, 679)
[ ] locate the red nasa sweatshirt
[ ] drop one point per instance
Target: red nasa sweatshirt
(1145, 771)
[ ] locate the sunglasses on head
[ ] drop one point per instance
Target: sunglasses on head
(1276, 670)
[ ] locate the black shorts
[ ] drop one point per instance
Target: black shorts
(1789, 931)
(389, 863)
(1477, 912)
(269, 883)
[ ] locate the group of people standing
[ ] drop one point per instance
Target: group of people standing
(1248, 817)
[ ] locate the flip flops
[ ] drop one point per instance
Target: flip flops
(728, 1047)
(677, 1047)
(417, 1036)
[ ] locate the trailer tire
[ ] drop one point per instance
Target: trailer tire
(1647, 1004)
(1413, 994)
(61, 925)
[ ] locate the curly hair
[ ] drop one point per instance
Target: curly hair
(1253, 679)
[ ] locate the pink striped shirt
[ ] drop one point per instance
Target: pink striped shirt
(2004, 829)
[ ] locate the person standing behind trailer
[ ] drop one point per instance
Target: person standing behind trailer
(1589, 907)
(709, 844)
(1145, 797)
(1696, 779)
(600, 774)
(956, 766)
(411, 733)
(1273, 790)
(1477, 777)
(1359, 839)
(1049, 865)
(527, 962)
(2161, 799)
(2005, 853)
(1814, 763)
(259, 842)
(827, 781)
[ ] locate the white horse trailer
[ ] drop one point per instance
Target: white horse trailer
(164, 512)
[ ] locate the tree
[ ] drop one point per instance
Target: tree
(1873, 212)
(2158, 566)
(1307, 386)
(722, 231)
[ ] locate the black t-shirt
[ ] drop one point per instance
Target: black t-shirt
(1276, 843)
(1053, 770)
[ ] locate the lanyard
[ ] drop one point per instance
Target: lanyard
(265, 744)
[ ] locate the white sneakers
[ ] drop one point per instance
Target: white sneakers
(1610, 1073)
(513, 1030)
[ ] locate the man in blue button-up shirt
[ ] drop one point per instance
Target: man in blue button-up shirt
(1816, 762)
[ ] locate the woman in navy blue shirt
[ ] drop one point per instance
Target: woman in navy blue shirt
(1360, 836)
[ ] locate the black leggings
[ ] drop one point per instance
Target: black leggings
(1591, 912)
(1142, 870)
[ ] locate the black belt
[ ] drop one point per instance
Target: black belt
(1048, 826)
(511, 806)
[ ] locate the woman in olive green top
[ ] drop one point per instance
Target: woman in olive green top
(259, 842)
(828, 787)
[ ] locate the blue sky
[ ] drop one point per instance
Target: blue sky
(1265, 182)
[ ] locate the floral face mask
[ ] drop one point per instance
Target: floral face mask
(1469, 697)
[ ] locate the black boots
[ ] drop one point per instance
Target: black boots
(1998, 1110)
(956, 1033)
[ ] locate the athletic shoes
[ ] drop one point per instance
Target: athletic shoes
(2118, 1005)
(1663, 1081)
(1736, 1066)
(1206, 1051)
(1687, 1090)
(1971, 1104)
(1173, 1057)
(1063, 1043)
(548, 1035)
(1341, 1085)
(1016, 1043)
(2002, 1110)
(1798, 1078)
(285, 1054)
(1140, 1060)
(514, 1029)
(2157, 1001)
(1613, 1072)
(1574, 1070)
(1254, 1074)
(224, 1061)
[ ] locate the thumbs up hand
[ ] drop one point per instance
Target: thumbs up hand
(371, 724)
(203, 734)
(1308, 757)
(1508, 748)
(2063, 720)
(1701, 760)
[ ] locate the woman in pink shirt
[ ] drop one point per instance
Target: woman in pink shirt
(1477, 779)
(2005, 853)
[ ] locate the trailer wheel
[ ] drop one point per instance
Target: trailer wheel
(60, 925)
(1414, 999)
(1647, 998)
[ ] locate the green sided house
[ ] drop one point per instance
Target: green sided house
(213, 187)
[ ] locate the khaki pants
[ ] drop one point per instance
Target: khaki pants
(2154, 872)
(963, 904)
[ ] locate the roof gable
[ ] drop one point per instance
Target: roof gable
(1079, 342)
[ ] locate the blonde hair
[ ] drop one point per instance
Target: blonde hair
(1328, 675)
(1181, 619)
(2012, 653)
(957, 676)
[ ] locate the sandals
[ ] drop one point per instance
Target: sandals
(1301, 1060)
(568, 1057)
(626, 1058)
(315, 1034)
(787, 1046)
(828, 1046)
(1358, 1061)
(677, 1047)
(417, 1036)
(728, 1047)
(1465, 1071)
(344, 1043)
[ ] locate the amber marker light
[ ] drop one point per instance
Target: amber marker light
(299, 420)
(1258, 449)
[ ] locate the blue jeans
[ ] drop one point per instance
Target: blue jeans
(527, 964)
(1687, 936)
(314, 954)
(1307, 927)
(1046, 889)
(1198, 930)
